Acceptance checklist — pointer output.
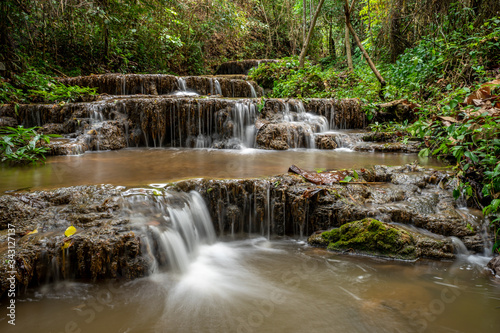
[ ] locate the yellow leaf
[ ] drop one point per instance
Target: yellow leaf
(33, 232)
(66, 244)
(70, 231)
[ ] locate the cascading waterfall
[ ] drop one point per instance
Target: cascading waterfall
(243, 117)
(173, 225)
(310, 125)
(181, 83)
(218, 90)
(253, 94)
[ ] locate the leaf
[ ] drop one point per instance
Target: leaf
(70, 231)
(472, 156)
(347, 179)
(33, 232)
(356, 176)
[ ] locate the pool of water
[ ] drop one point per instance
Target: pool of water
(144, 166)
(257, 285)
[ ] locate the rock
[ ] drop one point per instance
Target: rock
(108, 245)
(326, 142)
(8, 121)
(282, 136)
(494, 265)
(370, 236)
(52, 128)
(157, 84)
(389, 147)
(184, 121)
(109, 135)
(103, 247)
(379, 137)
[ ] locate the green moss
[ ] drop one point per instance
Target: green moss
(371, 236)
(332, 235)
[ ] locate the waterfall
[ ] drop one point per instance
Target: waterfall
(459, 246)
(307, 125)
(218, 90)
(181, 83)
(253, 94)
(173, 225)
(243, 116)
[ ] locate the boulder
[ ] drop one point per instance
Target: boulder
(369, 236)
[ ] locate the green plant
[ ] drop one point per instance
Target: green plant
(23, 145)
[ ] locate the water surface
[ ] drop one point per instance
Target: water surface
(144, 166)
(256, 285)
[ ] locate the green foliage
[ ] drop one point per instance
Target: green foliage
(33, 87)
(23, 145)
(288, 80)
(474, 145)
(154, 36)
(463, 56)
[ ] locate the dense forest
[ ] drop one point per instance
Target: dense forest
(427, 56)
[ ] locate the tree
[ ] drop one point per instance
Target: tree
(348, 10)
(309, 35)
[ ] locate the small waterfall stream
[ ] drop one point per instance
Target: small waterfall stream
(174, 226)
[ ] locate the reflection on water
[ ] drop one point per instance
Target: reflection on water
(144, 166)
(257, 285)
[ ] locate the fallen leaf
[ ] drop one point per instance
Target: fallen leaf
(70, 231)
(482, 93)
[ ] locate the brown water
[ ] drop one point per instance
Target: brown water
(146, 166)
(257, 285)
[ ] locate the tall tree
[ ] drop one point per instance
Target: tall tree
(348, 51)
(304, 23)
(348, 10)
(309, 35)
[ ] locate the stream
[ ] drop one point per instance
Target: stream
(142, 166)
(201, 278)
(278, 285)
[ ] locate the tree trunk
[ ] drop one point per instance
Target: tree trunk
(331, 43)
(304, 26)
(365, 54)
(309, 35)
(348, 49)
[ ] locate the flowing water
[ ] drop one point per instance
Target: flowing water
(244, 282)
(257, 285)
(144, 166)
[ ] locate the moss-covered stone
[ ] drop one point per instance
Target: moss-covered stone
(370, 236)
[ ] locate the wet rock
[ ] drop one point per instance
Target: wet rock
(163, 121)
(379, 137)
(67, 146)
(396, 111)
(8, 121)
(494, 265)
(389, 147)
(52, 128)
(320, 178)
(340, 114)
(156, 84)
(326, 142)
(370, 236)
(104, 246)
(107, 244)
(240, 67)
(282, 136)
(109, 135)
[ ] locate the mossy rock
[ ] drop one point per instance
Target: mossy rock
(371, 237)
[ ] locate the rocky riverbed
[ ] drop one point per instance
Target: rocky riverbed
(108, 244)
